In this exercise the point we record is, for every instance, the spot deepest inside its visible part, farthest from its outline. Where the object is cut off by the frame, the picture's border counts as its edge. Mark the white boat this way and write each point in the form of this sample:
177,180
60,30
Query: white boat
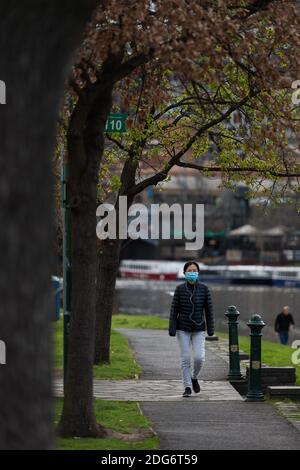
286,276
151,269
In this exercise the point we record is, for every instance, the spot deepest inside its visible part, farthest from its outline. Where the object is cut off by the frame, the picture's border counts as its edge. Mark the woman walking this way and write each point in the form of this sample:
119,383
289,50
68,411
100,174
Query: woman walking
191,314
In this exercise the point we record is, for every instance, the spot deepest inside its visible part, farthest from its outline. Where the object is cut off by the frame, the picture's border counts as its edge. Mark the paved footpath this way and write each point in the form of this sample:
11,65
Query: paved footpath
217,418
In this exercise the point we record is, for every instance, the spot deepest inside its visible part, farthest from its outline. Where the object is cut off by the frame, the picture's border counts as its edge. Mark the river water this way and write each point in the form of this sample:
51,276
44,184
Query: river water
155,297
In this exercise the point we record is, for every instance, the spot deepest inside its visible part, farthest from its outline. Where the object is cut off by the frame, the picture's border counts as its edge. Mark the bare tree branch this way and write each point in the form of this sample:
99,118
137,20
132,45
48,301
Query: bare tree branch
117,143
237,169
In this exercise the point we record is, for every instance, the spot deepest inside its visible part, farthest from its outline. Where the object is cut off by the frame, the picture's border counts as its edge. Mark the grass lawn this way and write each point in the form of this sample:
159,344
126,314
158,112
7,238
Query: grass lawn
122,366
140,321
123,417
273,354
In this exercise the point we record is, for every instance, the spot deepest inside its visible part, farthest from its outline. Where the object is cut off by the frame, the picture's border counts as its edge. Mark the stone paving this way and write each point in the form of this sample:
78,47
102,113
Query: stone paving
157,390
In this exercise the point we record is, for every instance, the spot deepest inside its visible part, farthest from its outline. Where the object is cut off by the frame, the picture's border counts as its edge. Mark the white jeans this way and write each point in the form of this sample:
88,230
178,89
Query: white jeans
186,339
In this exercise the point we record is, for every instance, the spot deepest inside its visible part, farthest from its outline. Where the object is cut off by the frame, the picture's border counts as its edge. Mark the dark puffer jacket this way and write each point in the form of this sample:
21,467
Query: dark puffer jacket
191,310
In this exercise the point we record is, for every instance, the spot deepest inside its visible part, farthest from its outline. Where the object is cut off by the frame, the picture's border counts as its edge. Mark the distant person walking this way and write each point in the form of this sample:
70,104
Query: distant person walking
191,313
282,324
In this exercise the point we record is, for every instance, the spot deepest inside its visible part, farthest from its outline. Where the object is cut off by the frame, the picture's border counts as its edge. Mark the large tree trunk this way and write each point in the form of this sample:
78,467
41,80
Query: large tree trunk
85,153
36,40
108,263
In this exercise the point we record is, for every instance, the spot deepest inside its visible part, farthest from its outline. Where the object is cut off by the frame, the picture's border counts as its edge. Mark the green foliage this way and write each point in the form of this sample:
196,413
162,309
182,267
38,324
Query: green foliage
115,182
190,120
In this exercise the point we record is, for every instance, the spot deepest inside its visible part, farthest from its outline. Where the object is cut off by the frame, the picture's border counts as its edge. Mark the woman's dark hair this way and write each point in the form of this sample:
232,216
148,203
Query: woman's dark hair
189,263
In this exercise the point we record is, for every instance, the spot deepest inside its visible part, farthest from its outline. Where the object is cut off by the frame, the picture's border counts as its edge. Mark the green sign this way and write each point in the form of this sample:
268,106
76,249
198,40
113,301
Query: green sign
116,123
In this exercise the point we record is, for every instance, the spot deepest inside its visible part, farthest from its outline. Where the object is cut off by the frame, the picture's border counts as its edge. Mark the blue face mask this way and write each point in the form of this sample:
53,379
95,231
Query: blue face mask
191,276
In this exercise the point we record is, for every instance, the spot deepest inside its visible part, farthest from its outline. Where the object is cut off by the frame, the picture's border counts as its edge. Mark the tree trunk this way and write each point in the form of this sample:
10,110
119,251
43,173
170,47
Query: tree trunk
85,152
108,263
36,41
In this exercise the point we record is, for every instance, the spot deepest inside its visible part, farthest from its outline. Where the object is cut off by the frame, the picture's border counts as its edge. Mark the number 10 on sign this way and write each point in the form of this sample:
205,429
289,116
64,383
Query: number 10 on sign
116,123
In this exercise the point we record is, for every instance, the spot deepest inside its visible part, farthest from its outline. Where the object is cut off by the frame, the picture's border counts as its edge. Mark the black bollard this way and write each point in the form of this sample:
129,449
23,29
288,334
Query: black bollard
255,393
234,356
